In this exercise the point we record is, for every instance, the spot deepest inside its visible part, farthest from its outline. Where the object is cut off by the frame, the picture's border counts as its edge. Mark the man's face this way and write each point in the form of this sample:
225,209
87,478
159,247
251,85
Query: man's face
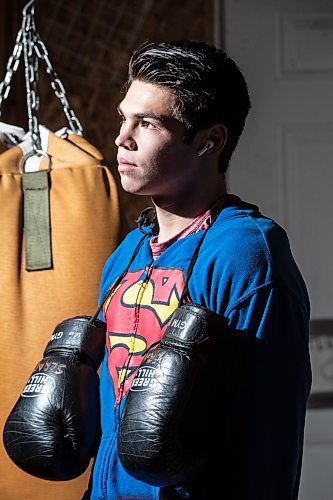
152,157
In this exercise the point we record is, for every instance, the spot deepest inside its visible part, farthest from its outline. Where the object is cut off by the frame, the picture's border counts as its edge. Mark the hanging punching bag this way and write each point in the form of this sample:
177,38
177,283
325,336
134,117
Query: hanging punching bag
59,223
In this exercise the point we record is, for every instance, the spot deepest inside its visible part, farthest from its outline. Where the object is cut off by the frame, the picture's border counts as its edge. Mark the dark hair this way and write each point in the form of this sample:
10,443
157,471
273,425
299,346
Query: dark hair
208,85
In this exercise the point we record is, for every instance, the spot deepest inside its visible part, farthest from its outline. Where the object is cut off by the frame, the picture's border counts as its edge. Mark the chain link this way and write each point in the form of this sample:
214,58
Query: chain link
29,42
57,86
31,77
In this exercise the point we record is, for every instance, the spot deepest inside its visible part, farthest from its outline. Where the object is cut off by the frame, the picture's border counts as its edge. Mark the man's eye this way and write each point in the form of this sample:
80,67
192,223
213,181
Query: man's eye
146,124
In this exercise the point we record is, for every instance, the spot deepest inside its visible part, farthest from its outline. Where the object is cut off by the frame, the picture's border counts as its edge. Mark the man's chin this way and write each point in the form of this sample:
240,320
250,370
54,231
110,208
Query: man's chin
132,189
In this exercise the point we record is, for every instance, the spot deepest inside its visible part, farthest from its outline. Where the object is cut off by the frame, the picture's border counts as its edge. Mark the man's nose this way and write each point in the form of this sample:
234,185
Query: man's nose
125,139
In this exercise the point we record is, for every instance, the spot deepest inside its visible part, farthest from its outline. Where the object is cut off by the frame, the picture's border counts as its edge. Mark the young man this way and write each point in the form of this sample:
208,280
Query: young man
183,112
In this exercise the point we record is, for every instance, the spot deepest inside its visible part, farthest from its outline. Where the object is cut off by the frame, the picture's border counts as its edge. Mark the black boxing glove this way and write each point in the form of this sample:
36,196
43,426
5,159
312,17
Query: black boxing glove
166,423
54,428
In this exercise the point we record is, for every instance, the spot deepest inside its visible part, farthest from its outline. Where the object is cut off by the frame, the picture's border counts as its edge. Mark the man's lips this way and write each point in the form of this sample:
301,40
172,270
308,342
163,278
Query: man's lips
124,165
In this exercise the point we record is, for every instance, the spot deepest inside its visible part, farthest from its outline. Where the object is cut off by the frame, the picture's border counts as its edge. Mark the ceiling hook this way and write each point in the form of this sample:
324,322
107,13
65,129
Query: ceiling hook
29,5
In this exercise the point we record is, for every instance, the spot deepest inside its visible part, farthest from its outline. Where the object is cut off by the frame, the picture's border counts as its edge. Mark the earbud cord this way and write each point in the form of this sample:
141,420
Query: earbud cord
182,298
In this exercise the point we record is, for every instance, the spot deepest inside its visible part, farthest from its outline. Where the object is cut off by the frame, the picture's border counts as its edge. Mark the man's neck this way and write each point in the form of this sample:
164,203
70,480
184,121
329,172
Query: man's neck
170,224
173,217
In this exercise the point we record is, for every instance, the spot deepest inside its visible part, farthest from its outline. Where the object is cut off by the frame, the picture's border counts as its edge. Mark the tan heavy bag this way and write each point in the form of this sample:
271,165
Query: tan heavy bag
84,217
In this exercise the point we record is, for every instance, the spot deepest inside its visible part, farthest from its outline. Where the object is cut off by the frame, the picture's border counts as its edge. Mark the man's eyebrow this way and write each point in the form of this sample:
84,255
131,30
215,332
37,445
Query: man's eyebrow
140,116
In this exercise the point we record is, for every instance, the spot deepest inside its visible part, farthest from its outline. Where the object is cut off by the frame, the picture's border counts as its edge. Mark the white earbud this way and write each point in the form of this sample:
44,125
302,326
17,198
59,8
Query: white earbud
209,144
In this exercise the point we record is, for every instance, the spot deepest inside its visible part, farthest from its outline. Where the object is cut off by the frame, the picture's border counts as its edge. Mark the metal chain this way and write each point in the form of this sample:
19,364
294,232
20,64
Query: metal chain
12,65
31,74
57,86
29,42
34,56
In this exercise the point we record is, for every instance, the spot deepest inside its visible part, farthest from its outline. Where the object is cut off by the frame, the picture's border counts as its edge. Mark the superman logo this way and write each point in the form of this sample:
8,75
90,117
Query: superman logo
137,314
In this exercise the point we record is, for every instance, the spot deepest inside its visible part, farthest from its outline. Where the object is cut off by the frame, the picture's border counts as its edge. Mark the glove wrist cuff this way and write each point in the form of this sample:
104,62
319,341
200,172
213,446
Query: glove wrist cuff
80,338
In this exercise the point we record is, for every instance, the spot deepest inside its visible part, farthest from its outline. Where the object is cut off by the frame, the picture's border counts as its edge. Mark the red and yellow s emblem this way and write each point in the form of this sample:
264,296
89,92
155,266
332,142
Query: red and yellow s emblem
137,314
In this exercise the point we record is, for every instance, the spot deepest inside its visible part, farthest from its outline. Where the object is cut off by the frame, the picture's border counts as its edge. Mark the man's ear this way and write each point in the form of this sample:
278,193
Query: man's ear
218,134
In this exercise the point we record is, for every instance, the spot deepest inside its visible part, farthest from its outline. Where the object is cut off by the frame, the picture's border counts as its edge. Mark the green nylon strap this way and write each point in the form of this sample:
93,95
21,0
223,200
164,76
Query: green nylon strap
36,217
